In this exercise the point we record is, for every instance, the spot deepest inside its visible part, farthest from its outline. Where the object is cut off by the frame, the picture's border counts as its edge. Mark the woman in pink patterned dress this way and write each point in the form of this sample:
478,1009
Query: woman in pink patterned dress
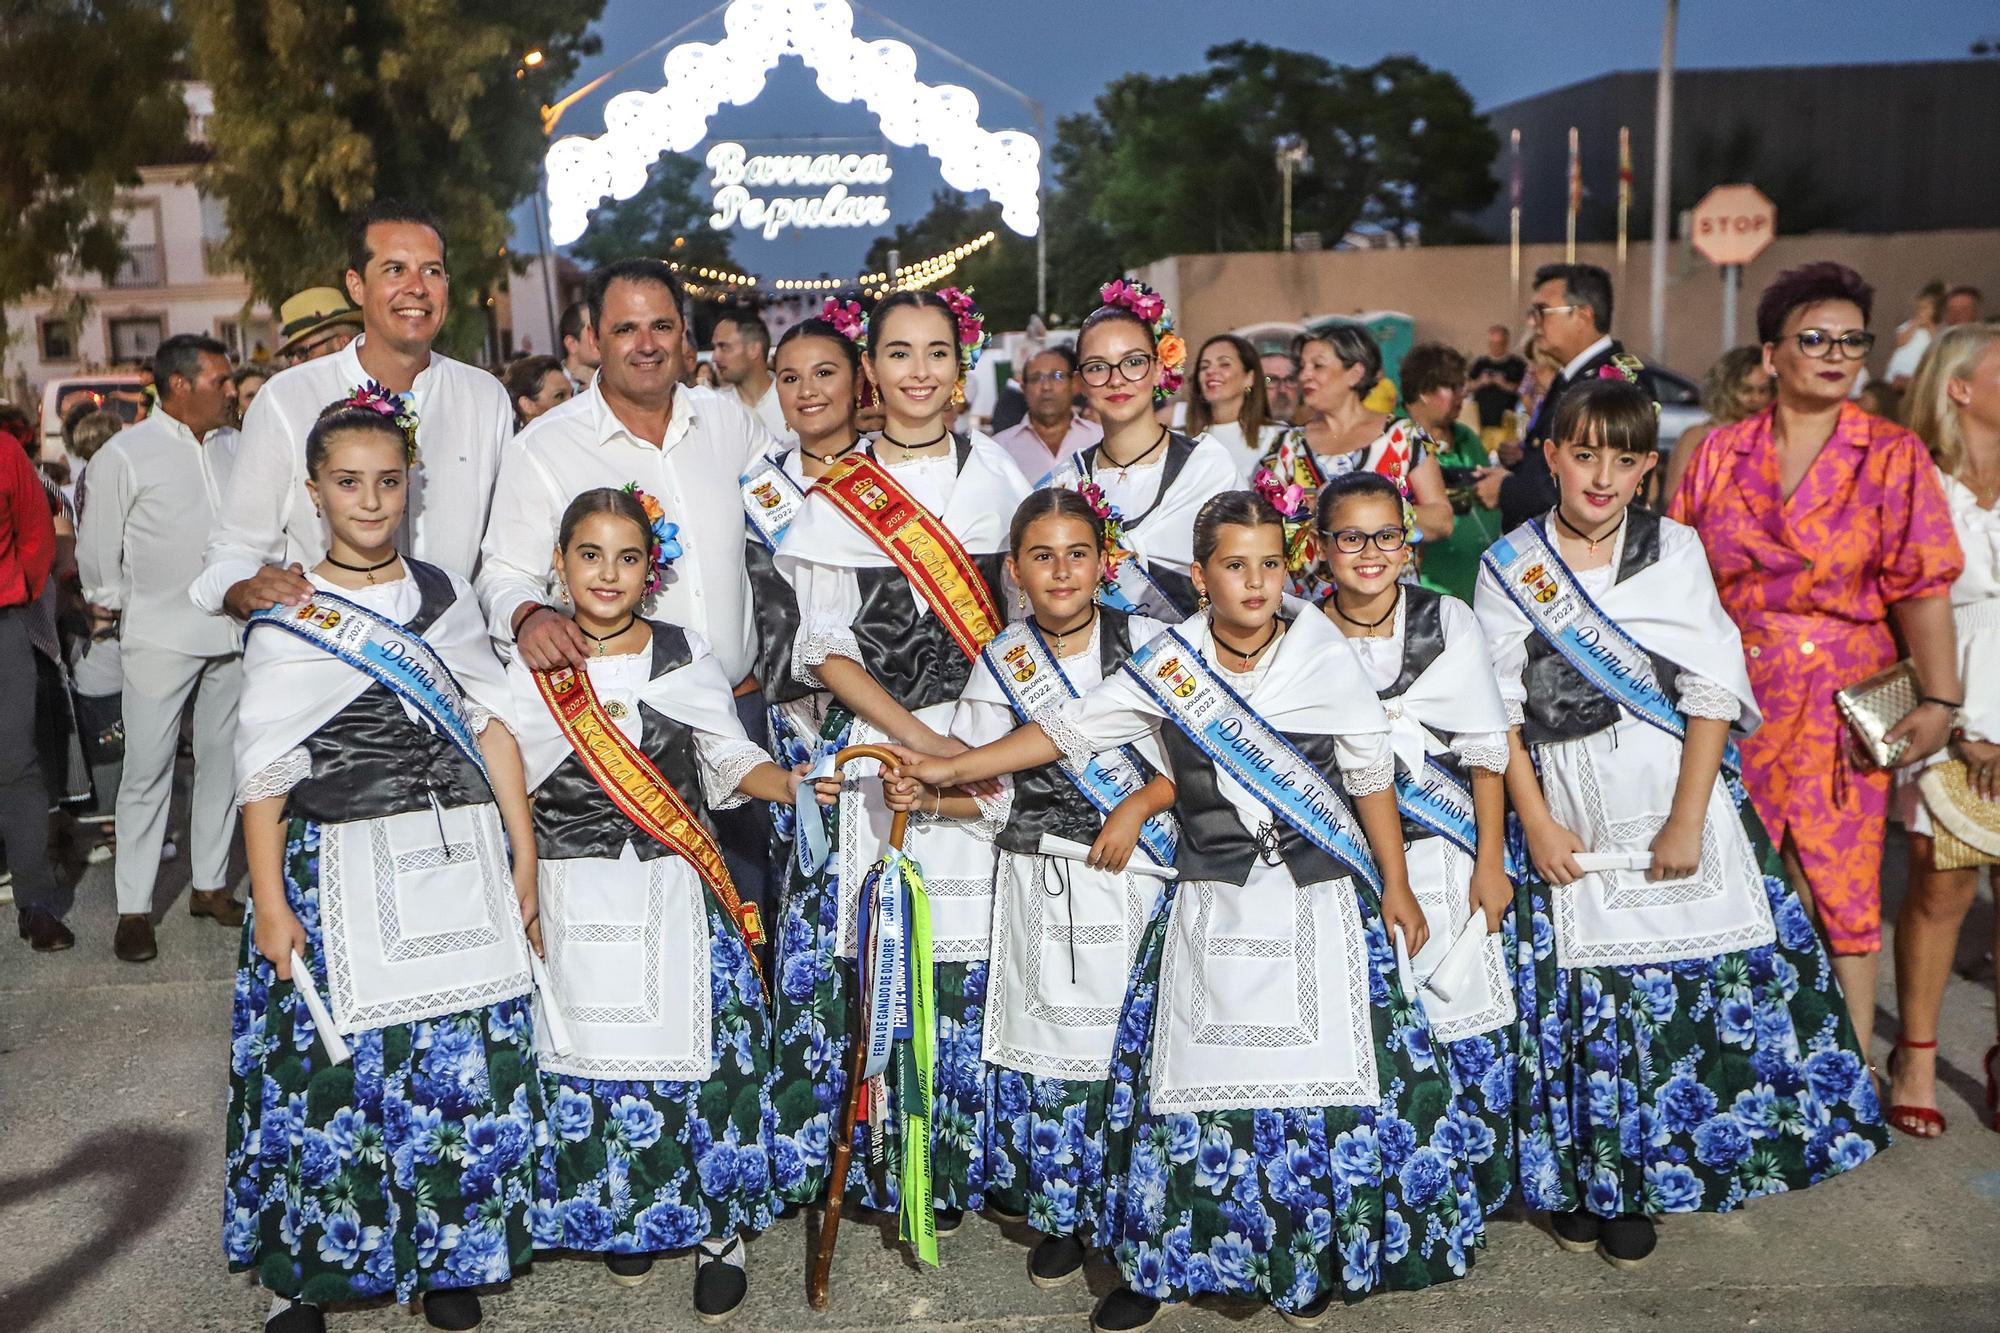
1826,526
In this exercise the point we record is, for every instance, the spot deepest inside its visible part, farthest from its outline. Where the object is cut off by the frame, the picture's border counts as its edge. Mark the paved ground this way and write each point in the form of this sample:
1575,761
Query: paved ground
113,1080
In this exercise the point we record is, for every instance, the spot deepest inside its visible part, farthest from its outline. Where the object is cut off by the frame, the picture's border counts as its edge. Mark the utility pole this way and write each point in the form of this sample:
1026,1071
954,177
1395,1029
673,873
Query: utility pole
1663,165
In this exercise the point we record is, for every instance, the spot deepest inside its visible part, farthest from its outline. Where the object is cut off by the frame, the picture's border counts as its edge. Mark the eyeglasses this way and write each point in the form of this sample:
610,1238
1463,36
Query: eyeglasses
1853,345
1132,368
1352,541
1046,377
1273,381
1537,310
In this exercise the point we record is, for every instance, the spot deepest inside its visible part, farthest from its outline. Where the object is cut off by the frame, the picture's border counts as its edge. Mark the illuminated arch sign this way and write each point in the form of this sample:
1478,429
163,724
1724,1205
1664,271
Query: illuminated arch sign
702,77
735,174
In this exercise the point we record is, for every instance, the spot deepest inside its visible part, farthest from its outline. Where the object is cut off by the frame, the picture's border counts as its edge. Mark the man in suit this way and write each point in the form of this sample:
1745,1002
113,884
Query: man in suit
1571,315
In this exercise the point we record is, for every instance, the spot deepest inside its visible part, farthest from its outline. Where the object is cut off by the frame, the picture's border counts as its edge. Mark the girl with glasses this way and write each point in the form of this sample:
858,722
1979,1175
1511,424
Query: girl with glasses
1280,1127
1694,1050
1338,366
1427,660
1153,479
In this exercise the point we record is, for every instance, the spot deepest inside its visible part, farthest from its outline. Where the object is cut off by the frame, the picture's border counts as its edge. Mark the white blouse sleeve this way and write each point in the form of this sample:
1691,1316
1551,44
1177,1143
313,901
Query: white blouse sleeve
1702,697
829,600
1487,750
279,776
1115,712
1507,638
1367,762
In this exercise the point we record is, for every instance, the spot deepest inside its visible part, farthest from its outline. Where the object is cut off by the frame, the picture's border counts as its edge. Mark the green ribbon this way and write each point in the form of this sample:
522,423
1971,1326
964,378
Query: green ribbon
916,1062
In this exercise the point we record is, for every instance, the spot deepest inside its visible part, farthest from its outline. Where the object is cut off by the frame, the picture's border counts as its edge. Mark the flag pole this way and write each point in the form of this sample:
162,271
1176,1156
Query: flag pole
1514,222
1575,198
1624,195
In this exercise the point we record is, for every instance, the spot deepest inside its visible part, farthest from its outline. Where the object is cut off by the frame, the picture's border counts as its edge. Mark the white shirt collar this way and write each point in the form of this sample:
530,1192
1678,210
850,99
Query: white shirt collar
357,374
1582,358
681,418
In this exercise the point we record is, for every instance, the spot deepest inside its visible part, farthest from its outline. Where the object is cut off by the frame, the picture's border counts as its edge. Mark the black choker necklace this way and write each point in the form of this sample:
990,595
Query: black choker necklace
824,459
942,436
1144,454
1276,625
601,639
1394,602
1062,635
369,570
1592,542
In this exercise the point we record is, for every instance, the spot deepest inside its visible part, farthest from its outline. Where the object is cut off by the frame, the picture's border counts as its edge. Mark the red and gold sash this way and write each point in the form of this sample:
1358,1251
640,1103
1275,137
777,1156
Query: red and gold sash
922,547
640,791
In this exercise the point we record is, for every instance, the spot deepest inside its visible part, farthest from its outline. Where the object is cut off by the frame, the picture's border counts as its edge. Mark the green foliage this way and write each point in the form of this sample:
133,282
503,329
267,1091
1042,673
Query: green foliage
1001,277
323,106
87,101
667,219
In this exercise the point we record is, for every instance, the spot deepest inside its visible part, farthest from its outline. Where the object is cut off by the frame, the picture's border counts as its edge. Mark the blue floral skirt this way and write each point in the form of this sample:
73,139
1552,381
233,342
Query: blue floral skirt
1045,1150
1692,1086
410,1168
638,1166
1282,1206
813,1016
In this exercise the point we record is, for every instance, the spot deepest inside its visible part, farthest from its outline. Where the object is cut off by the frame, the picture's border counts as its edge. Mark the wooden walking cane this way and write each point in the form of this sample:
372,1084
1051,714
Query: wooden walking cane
821,1271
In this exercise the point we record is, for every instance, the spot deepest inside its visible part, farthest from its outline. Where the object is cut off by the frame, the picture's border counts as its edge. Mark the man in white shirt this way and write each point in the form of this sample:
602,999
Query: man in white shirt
154,493
1052,432
269,533
741,349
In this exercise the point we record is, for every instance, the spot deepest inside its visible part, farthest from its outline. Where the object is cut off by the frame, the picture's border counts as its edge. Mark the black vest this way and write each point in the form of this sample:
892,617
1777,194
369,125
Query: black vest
1178,587
1563,706
371,760
1045,799
907,649
573,816
774,615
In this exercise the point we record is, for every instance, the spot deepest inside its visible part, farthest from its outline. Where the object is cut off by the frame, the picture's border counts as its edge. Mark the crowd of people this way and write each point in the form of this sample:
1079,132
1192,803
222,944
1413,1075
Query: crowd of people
1251,832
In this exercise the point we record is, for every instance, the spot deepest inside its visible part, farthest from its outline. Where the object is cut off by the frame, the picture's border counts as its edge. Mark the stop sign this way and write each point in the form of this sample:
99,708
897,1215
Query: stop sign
1733,223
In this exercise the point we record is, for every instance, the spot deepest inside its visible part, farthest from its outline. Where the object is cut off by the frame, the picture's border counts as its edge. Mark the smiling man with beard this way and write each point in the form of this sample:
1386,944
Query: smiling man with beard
269,530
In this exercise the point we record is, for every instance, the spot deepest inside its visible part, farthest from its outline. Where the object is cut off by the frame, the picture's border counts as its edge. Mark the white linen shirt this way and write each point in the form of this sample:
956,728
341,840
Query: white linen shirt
695,473
464,420
770,411
155,491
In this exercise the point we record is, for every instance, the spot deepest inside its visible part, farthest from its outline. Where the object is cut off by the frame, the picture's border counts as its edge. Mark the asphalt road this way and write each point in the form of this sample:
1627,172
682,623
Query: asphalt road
113,1079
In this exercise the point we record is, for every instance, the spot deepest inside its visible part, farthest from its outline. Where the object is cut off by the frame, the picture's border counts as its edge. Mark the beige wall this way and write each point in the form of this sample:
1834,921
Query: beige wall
1455,292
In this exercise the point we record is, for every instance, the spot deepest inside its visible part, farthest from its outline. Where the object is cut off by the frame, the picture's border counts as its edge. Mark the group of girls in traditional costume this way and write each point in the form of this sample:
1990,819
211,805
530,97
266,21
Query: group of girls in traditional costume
1212,941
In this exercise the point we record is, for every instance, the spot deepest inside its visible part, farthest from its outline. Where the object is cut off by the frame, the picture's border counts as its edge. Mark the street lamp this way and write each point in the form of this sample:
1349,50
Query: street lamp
1292,156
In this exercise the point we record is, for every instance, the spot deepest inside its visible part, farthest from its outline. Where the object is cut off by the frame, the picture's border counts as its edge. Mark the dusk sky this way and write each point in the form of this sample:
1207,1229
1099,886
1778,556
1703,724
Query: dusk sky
1063,54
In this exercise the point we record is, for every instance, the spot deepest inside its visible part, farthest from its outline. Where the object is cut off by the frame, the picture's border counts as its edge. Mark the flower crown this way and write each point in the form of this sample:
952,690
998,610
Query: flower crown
383,401
663,545
971,323
1151,308
848,319
1112,524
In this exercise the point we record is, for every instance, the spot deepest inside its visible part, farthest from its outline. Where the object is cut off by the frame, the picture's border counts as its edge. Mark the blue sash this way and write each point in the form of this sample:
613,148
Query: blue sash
1131,589
1437,800
387,653
1033,680
771,500
1246,747
1541,584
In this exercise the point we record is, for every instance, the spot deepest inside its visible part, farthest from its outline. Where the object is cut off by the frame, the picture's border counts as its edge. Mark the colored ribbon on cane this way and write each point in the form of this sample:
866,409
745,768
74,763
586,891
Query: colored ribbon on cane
916,1064
813,843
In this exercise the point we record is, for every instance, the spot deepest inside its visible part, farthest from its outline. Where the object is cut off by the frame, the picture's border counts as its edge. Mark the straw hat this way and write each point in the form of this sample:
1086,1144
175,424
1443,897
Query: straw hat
313,311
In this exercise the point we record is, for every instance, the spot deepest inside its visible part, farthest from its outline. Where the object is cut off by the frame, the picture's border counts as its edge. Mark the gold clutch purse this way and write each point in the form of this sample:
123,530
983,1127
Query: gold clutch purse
1965,829
1874,706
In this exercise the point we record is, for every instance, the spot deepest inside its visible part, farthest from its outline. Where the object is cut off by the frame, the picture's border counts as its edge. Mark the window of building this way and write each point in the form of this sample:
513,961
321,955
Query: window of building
251,339
134,337
58,339
214,237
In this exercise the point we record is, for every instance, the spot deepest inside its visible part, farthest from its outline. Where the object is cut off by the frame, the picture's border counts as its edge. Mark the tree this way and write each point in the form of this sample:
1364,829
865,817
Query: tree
1000,277
323,106
667,219
85,100
1186,163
